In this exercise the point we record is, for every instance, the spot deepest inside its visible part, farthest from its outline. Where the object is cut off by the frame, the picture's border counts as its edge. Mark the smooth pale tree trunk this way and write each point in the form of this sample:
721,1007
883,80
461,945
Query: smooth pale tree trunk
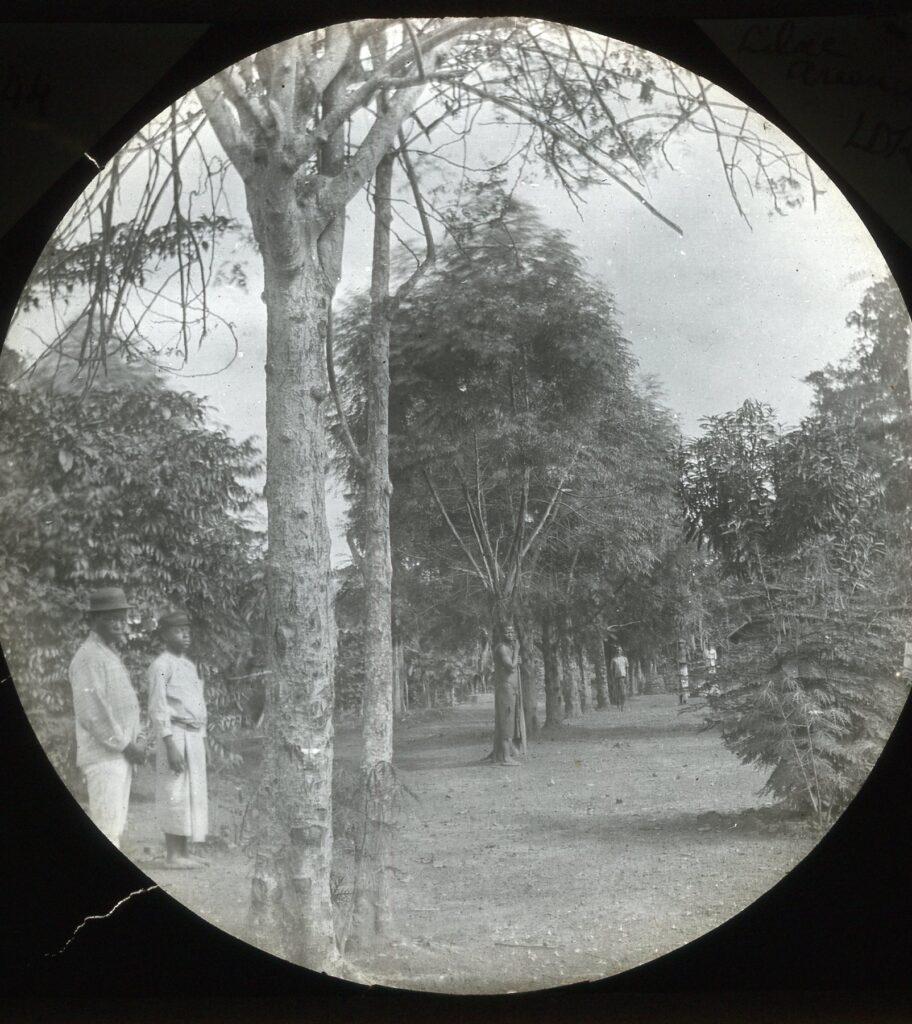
371,913
400,681
597,656
291,910
487,664
484,657
405,675
584,691
614,689
569,683
528,680
553,713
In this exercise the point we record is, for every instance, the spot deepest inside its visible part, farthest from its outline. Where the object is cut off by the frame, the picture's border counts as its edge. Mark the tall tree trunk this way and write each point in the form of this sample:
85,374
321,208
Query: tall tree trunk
291,910
597,654
371,901
584,691
397,683
568,681
400,681
527,678
553,714
484,660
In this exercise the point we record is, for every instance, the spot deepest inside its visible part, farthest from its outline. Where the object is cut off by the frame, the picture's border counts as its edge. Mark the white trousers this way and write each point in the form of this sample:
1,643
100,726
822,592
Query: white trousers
109,783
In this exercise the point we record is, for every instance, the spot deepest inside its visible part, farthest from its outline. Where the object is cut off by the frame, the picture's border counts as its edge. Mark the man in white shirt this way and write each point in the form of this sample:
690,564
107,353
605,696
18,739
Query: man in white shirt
177,709
711,658
107,714
617,671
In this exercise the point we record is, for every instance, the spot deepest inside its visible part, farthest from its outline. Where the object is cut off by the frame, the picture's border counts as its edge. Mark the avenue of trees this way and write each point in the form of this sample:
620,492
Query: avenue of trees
517,422
503,459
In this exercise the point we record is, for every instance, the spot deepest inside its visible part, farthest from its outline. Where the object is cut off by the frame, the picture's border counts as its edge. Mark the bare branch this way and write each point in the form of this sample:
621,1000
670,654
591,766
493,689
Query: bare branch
481,575
419,60
253,116
430,251
359,460
335,193
487,555
398,63
578,147
356,555
726,166
606,110
547,514
338,49
222,117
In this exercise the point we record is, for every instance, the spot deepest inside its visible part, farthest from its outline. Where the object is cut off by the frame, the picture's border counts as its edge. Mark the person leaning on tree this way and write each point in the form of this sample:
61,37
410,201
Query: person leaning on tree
506,684
177,708
107,714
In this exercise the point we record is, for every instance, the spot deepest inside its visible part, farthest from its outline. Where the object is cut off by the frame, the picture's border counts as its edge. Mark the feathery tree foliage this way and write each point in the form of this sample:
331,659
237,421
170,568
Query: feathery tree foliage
528,467
806,521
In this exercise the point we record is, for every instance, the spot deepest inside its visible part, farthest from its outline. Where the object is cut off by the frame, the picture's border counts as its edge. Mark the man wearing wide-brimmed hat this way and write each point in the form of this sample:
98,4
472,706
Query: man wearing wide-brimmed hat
107,713
177,708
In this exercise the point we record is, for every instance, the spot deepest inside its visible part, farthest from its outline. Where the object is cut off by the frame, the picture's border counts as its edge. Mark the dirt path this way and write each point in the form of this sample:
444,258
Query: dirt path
620,838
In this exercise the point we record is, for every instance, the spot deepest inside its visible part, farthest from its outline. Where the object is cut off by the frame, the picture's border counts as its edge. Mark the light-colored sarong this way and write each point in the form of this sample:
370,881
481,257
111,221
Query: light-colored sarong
183,799
108,783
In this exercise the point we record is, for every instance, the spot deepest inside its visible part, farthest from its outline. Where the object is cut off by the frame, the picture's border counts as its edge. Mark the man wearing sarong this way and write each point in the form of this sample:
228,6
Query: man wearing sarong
107,714
177,709
506,684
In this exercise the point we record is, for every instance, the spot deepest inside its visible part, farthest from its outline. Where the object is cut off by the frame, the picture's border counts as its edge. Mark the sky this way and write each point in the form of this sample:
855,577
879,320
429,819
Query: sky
729,310
724,312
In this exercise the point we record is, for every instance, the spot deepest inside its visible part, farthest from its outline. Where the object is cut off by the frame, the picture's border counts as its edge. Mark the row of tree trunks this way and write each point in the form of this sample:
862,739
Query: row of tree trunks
584,689
553,712
597,657
569,682
528,680
400,681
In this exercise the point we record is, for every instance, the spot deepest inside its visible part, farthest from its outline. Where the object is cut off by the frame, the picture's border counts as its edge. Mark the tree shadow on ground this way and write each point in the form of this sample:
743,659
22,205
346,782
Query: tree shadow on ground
569,732
752,823
467,736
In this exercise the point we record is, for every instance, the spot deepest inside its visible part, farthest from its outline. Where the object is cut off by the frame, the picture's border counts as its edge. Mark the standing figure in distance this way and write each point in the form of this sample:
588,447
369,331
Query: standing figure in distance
506,683
178,712
618,670
683,681
712,657
107,714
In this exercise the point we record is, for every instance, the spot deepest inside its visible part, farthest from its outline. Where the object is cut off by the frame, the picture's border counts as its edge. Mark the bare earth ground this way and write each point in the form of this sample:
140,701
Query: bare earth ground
621,837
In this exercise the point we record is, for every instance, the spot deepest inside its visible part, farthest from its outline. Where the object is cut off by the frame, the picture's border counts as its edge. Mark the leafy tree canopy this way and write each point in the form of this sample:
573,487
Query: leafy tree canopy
125,485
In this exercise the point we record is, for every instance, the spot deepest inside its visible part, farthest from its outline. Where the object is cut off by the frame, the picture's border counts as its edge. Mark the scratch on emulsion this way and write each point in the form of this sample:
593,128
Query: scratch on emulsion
101,917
